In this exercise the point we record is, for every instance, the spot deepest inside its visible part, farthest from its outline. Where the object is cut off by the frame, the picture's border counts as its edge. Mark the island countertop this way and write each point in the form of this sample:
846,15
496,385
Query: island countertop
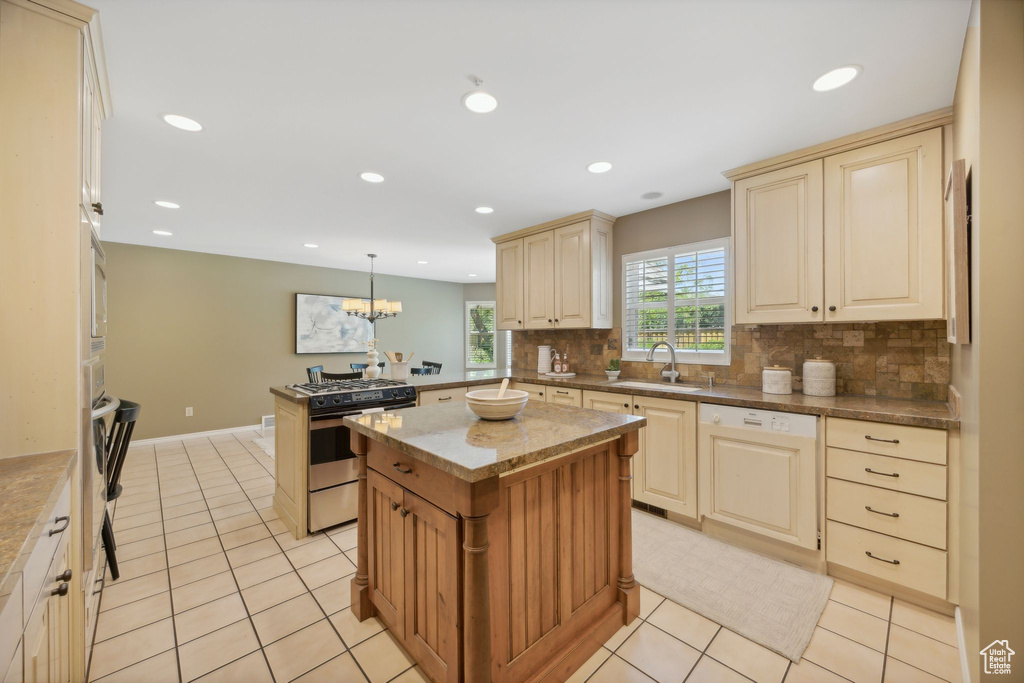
453,439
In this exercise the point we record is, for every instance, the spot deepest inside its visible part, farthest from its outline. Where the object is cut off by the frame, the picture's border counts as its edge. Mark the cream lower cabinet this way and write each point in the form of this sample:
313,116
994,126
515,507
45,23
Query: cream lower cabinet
565,397
665,466
608,402
536,391
452,395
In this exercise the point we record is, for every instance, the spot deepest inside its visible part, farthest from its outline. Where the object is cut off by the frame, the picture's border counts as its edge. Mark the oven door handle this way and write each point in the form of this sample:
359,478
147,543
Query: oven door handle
111,405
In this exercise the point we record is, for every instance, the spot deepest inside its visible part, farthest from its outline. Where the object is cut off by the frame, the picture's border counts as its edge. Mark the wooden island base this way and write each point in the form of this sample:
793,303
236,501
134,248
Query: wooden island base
519,577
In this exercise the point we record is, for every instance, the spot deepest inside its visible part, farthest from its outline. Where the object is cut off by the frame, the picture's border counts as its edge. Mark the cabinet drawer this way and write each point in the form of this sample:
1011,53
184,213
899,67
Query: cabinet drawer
429,398
432,484
898,441
536,391
565,397
912,518
877,470
920,567
35,574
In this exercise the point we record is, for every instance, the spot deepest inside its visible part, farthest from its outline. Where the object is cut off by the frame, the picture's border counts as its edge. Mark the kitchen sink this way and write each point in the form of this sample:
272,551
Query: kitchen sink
660,386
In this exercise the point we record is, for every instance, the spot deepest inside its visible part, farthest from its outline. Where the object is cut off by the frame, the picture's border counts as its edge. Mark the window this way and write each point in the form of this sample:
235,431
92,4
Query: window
480,336
692,313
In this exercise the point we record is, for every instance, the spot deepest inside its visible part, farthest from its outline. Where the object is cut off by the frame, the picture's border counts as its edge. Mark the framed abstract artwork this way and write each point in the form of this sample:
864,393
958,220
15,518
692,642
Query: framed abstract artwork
321,326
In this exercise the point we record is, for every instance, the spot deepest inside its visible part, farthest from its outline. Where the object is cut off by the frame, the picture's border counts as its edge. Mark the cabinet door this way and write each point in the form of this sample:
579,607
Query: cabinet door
432,588
572,276
452,395
509,287
59,622
536,391
607,402
883,230
565,397
777,230
665,466
539,281
386,539
92,117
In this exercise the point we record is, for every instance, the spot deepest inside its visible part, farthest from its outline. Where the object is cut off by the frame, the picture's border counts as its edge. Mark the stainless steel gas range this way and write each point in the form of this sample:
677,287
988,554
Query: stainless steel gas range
333,493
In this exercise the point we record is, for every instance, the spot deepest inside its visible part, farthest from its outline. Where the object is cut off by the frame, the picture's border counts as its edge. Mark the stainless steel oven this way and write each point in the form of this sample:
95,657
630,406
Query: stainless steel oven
98,316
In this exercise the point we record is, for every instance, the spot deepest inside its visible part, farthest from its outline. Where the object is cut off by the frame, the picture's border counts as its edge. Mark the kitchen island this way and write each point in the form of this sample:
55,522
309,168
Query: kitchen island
496,550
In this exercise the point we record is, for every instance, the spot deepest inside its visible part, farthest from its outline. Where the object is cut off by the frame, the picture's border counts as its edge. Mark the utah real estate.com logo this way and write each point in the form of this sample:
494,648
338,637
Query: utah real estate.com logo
997,657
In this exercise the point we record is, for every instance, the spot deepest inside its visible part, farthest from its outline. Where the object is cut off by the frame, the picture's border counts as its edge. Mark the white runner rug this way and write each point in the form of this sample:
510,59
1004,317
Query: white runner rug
266,445
771,602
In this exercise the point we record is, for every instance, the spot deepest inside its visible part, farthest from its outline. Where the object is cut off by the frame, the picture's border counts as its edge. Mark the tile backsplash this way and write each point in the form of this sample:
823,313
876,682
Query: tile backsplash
895,359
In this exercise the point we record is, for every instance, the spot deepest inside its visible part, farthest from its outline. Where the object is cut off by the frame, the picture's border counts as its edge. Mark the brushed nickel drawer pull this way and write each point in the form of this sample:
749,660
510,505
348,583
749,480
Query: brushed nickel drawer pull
559,391
62,518
403,470
871,438
880,559
878,512
884,474
445,398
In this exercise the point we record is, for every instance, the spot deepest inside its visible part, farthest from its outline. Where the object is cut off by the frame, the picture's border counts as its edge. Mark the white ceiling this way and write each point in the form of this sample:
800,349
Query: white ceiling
297,97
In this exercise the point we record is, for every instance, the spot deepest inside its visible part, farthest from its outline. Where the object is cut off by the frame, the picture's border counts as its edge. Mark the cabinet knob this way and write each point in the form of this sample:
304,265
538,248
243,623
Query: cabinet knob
520,322
394,505
636,406
814,309
66,576
549,319
556,320
403,512
60,590
98,207
625,405
832,308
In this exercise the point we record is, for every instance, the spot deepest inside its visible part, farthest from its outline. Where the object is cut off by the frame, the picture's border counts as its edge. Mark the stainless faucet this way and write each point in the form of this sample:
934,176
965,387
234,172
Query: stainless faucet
671,373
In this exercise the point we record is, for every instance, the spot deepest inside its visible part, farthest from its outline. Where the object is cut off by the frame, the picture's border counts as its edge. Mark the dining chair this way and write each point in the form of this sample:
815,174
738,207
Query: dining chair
340,375
435,368
420,371
363,366
315,374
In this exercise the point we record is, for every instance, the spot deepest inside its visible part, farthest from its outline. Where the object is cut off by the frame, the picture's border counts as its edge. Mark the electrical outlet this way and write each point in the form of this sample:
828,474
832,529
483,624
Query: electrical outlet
188,411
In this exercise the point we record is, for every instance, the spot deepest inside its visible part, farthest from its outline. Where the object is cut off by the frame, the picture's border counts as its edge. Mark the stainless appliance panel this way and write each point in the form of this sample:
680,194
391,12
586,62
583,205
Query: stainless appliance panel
333,473
333,506
98,327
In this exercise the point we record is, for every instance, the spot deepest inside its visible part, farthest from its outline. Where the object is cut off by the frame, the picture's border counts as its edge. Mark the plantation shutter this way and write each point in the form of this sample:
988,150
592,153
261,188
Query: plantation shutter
647,302
700,300
480,334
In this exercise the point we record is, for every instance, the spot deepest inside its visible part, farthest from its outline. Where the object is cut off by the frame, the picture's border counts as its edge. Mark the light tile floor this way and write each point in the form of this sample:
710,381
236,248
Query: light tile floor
213,588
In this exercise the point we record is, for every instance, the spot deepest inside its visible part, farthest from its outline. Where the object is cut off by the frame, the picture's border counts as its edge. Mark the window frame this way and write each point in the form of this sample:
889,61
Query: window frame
682,356
494,334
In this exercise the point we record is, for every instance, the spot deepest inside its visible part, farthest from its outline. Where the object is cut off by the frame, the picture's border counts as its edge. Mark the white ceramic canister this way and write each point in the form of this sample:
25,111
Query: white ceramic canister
777,380
544,359
819,377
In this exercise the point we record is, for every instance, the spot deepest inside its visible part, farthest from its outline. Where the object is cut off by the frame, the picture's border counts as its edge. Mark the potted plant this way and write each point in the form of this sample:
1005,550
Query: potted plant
613,369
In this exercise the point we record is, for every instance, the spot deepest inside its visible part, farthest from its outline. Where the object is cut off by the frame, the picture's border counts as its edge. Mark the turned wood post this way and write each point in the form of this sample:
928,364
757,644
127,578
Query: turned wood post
475,502
362,608
629,591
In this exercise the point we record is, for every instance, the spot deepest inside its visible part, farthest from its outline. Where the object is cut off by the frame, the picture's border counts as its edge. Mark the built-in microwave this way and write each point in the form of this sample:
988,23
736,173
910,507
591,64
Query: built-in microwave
98,328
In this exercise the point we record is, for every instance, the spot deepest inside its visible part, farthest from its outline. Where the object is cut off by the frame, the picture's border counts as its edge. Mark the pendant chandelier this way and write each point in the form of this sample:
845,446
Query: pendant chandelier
374,309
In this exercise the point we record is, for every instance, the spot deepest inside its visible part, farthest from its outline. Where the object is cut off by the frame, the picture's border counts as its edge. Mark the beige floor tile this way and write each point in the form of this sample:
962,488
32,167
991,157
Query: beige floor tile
193,551
263,503
335,596
341,668
855,625
750,659
273,592
325,571
844,657
218,491
187,521
809,672
347,539
203,591
128,617
925,622
860,598
190,535
183,510
898,672
304,650
135,521
710,671
199,621
924,653
140,566
649,601
658,654
287,618
162,668
617,670
590,666
620,636
139,533
127,649
287,541
123,592
353,556
686,625
309,553
250,534
268,514
413,675
131,551
262,570
198,569
246,519
251,668
275,525
123,511
381,657
244,554
216,649
238,503
354,632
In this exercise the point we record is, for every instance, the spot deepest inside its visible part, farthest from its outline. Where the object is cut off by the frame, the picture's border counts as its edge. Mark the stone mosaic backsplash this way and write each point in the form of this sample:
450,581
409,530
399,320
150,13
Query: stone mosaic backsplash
895,359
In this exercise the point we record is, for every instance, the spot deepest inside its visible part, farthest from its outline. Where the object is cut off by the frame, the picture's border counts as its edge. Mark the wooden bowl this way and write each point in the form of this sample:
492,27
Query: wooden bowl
486,404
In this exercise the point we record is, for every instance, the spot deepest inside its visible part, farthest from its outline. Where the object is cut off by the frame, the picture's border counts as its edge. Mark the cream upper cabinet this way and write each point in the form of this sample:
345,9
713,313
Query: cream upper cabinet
665,466
538,281
92,118
778,246
509,294
556,275
883,230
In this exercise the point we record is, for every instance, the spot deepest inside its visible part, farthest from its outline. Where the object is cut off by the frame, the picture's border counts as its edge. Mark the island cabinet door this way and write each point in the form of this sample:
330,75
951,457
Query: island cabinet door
431,588
386,556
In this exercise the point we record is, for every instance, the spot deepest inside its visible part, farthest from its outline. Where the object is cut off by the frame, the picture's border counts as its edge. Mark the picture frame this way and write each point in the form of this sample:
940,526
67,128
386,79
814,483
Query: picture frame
321,326
958,267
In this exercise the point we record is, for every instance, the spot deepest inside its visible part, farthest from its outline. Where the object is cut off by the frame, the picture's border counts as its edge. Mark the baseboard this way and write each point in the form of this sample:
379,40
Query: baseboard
961,641
195,435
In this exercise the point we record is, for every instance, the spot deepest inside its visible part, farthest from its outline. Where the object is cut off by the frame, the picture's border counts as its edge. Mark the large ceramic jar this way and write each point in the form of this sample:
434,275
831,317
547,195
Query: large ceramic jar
777,380
819,377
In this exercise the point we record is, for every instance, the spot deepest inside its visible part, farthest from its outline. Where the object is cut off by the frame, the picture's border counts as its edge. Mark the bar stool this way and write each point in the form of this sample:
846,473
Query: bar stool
116,450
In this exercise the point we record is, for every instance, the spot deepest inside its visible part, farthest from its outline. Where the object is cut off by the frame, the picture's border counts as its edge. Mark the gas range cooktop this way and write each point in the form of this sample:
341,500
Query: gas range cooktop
355,394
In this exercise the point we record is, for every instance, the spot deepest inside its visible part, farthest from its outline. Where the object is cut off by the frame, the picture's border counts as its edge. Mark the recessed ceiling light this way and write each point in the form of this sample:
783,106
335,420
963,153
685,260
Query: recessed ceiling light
183,122
162,233
836,78
651,195
167,205
422,263
480,102
484,209
311,246
371,177
471,275
599,167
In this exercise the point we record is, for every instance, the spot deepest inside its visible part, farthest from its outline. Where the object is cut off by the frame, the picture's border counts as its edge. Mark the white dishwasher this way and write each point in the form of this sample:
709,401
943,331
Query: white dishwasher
758,470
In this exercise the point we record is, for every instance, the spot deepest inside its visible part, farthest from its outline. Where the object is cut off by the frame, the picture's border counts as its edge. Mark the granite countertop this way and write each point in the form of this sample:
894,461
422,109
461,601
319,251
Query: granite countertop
453,439
914,412
29,488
